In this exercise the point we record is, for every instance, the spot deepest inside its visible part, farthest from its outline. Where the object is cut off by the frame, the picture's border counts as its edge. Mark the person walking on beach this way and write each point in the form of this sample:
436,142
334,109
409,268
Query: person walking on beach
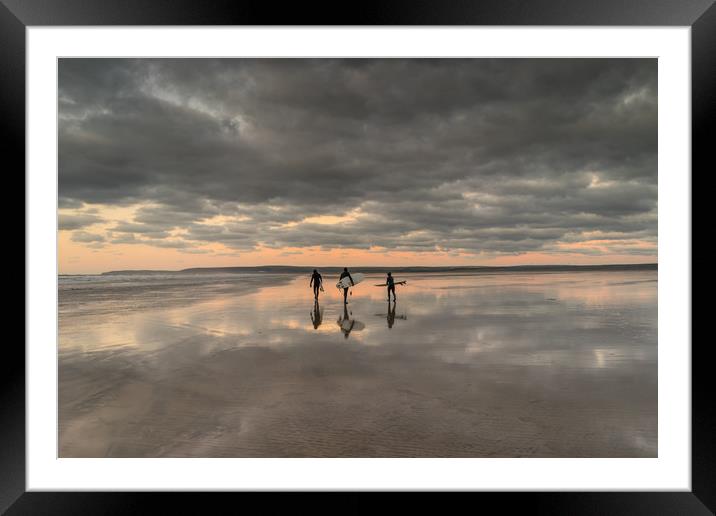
390,283
316,282
346,274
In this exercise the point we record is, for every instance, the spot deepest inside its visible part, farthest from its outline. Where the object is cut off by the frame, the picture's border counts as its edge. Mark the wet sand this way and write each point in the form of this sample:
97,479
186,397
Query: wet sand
474,365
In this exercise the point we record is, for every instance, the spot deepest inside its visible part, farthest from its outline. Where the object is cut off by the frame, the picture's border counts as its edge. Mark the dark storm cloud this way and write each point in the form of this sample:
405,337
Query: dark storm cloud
87,238
503,155
79,221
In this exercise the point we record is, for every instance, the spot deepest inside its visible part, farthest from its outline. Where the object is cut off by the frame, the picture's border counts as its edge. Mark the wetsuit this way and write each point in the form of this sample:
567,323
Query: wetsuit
316,280
345,289
391,286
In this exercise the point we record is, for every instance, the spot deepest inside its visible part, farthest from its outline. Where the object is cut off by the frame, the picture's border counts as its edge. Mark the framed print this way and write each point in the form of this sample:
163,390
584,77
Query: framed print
441,249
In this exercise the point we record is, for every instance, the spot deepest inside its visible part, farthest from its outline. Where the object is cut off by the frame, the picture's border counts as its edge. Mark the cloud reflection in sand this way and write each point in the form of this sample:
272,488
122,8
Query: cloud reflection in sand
450,342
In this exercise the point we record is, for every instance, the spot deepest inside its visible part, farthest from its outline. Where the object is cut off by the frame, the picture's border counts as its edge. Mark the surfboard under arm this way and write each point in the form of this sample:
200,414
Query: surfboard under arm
396,283
346,283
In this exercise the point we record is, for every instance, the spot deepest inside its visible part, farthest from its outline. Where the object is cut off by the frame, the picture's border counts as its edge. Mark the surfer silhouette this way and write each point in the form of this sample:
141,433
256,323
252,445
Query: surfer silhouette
390,283
316,314
316,282
345,274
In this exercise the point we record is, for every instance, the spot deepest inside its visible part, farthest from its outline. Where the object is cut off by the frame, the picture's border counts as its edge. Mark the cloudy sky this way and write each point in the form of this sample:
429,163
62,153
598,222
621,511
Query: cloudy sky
174,163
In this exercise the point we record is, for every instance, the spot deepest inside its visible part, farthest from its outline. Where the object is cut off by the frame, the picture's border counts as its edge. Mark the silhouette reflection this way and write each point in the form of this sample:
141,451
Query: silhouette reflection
390,316
316,315
348,323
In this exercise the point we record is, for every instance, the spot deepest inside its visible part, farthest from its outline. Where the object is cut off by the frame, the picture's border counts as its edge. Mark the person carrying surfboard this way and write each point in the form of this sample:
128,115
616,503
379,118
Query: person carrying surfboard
390,282
316,282
346,274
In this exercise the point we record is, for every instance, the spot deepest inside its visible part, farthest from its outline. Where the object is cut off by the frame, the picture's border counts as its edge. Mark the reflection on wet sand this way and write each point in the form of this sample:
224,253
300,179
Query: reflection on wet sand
494,365
316,315
347,323
390,316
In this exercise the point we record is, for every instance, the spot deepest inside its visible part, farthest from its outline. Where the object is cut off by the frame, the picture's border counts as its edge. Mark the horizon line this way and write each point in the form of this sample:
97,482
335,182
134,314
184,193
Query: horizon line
395,267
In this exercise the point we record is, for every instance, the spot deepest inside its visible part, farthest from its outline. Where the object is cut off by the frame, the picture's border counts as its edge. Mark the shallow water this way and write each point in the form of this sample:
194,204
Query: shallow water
474,365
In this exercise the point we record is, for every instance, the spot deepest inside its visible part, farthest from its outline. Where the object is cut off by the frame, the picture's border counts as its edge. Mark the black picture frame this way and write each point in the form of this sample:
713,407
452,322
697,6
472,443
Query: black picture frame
16,15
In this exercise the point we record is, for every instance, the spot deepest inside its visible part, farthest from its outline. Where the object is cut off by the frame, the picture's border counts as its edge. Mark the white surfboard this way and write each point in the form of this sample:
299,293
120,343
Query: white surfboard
346,282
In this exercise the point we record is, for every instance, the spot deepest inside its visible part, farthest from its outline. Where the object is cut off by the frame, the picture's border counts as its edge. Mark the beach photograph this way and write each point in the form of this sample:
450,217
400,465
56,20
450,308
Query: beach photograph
360,257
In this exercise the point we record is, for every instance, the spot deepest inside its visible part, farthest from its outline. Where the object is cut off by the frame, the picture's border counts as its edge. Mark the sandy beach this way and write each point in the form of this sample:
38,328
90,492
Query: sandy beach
558,364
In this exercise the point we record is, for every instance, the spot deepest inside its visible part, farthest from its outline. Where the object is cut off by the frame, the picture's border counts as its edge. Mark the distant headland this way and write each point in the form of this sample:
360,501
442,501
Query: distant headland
291,269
